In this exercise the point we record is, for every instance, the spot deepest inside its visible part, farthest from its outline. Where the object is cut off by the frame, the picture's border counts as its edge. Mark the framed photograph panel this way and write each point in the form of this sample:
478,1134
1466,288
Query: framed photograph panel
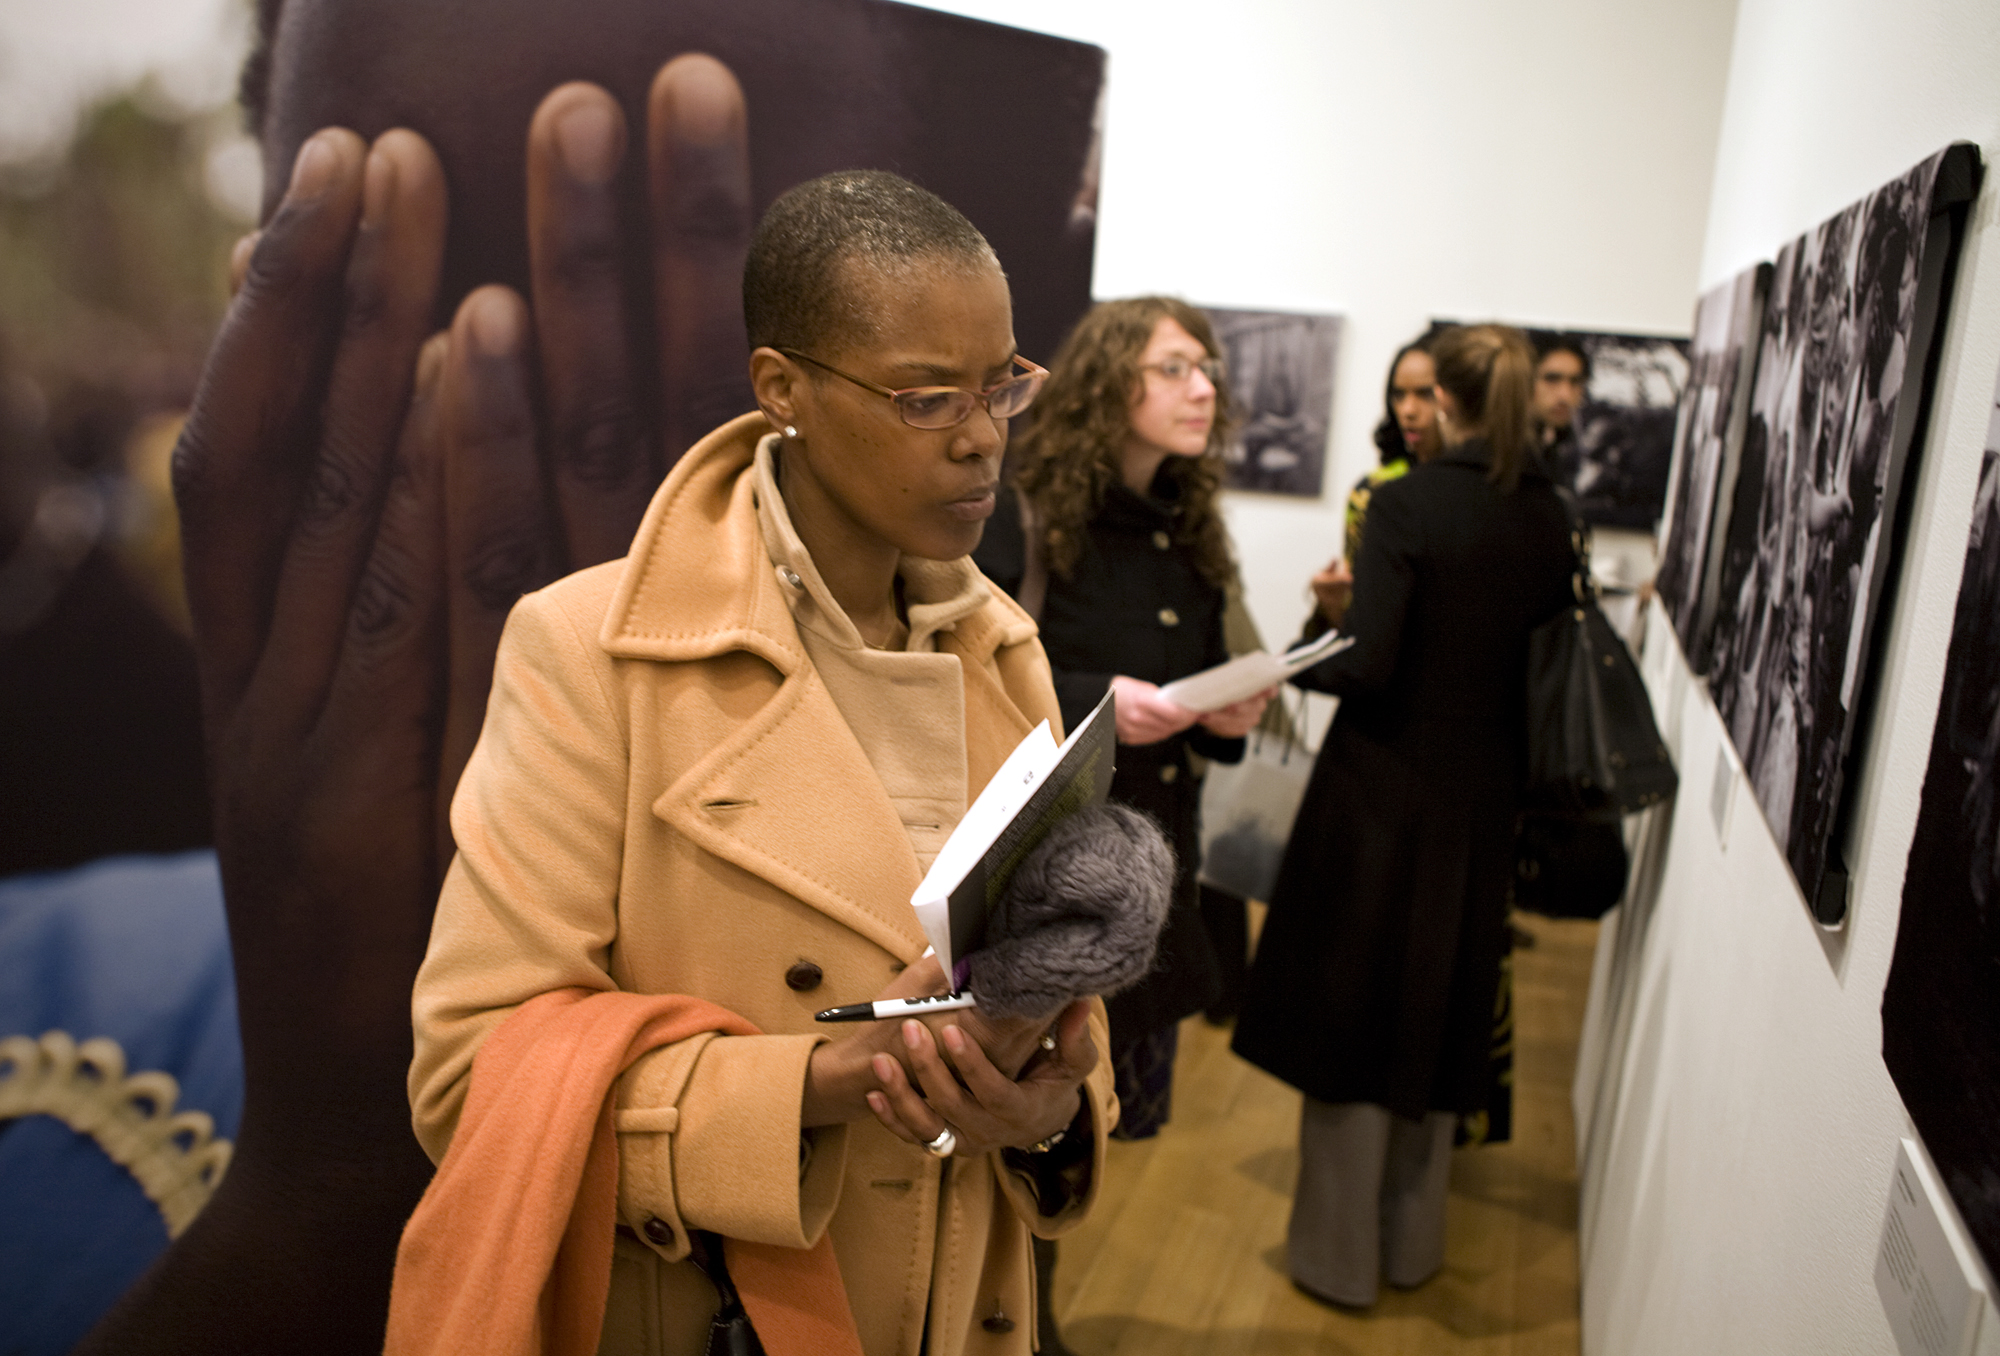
1281,378
1845,358
1941,1007
1708,435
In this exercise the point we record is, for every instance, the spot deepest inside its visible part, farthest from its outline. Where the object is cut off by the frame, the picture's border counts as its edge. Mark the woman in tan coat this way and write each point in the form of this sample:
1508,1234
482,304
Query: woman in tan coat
720,766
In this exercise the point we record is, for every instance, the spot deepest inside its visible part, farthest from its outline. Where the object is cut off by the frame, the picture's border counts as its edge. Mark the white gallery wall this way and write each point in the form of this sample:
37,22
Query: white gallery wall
1745,1166
1597,164
1540,160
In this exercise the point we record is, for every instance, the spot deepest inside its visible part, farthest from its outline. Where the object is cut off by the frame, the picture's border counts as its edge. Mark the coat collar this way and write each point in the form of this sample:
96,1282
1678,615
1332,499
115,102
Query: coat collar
700,583
937,594
673,603
1476,454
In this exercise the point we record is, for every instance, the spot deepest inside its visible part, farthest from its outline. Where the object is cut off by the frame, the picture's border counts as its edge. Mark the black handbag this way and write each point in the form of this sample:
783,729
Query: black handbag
1594,755
1568,866
1593,747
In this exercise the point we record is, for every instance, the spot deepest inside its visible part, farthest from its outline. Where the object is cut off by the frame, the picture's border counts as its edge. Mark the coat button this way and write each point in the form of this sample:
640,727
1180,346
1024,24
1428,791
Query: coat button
1161,541
803,976
658,1230
997,1321
1169,617
1170,773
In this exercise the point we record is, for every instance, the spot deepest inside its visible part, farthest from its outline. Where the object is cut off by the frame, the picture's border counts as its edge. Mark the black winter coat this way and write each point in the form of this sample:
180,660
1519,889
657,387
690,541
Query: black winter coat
1379,964
1137,605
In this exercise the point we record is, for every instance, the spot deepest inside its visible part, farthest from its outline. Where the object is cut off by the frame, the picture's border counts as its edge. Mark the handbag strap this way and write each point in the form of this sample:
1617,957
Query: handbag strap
1034,590
1581,582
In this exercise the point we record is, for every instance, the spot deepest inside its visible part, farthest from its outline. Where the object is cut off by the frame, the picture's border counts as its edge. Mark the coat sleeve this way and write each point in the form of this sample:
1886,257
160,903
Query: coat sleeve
1051,1204
1384,578
709,1127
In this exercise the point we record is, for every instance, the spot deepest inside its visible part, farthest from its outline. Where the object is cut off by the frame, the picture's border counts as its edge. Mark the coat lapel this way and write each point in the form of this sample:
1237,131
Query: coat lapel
788,795
994,724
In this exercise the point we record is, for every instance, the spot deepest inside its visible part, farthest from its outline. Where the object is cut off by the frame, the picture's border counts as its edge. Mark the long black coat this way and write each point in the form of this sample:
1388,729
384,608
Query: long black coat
1136,604
1377,971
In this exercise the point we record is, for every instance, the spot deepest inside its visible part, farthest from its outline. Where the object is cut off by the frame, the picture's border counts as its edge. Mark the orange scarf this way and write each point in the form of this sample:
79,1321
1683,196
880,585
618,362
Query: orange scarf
509,1252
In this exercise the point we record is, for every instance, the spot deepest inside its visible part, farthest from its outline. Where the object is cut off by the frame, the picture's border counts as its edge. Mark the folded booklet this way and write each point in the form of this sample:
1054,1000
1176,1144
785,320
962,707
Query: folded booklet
1247,675
1038,787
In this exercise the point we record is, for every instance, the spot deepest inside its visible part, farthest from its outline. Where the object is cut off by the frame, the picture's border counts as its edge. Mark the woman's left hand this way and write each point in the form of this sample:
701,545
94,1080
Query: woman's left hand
1240,718
958,1088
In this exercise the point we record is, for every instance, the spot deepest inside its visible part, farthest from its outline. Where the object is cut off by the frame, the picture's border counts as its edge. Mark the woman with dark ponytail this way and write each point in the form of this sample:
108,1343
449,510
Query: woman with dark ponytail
1379,965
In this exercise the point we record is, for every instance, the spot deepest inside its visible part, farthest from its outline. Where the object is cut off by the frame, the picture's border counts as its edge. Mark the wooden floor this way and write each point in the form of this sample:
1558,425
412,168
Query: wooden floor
1185,1253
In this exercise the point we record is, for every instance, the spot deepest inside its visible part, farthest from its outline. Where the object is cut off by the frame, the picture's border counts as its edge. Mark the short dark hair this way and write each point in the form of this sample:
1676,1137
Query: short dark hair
793,288
1547,343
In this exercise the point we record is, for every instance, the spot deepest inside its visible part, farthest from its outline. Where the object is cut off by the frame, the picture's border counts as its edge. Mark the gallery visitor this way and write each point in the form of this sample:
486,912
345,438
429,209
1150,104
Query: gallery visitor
1374,982
1115,519
717,768
1562,373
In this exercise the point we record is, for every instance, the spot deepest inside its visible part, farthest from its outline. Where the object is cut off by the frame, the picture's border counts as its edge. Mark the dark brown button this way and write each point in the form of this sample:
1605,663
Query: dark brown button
997,1321
658,1230
803,976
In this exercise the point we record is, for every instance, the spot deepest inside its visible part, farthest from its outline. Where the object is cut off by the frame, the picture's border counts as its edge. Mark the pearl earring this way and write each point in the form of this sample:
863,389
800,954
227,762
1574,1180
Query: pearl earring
791,432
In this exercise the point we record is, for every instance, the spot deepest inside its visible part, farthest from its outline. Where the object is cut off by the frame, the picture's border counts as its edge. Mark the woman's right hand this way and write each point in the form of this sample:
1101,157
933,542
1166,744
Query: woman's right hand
1144,716
842,1073
951,1084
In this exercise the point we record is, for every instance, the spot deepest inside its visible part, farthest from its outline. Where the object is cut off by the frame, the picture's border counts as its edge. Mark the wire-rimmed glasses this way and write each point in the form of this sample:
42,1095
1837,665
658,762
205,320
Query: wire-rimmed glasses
1177,369
936,407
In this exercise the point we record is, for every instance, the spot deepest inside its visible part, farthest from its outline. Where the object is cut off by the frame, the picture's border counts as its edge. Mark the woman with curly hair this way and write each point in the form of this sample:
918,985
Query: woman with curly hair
1114,539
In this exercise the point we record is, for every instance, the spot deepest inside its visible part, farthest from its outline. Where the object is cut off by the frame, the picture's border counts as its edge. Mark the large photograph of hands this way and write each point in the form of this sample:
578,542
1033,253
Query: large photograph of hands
363,499
826,85
1842,381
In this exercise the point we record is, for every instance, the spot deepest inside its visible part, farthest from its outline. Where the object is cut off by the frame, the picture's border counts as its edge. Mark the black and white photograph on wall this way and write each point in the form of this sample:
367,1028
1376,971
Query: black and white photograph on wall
1281,378
1842,373
1941,1007
1622,436
1708,434
1612,449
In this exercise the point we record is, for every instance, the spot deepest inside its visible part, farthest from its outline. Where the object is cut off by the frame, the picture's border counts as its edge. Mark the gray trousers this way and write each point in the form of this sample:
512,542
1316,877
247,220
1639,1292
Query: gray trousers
1370,1200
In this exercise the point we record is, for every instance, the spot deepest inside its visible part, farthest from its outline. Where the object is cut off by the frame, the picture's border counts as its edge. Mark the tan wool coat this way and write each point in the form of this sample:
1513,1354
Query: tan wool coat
666,799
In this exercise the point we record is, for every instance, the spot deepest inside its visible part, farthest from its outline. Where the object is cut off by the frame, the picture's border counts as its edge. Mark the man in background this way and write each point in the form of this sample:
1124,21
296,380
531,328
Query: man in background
1562,370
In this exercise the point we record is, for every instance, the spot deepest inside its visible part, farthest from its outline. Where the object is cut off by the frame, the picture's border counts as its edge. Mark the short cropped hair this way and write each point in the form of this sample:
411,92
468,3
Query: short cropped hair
794,281
1546,344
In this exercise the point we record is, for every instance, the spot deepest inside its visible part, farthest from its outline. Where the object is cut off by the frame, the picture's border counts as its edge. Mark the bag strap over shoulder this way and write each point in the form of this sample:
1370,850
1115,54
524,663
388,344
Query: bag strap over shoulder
1579,544
1034,590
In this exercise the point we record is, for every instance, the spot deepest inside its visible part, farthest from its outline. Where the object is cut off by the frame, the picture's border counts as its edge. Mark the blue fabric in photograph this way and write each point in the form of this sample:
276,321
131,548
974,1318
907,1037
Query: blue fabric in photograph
135,949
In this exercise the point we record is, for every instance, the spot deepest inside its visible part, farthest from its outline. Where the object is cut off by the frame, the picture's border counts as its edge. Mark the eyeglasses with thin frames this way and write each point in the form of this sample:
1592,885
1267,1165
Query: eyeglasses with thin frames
1177,369
940,407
